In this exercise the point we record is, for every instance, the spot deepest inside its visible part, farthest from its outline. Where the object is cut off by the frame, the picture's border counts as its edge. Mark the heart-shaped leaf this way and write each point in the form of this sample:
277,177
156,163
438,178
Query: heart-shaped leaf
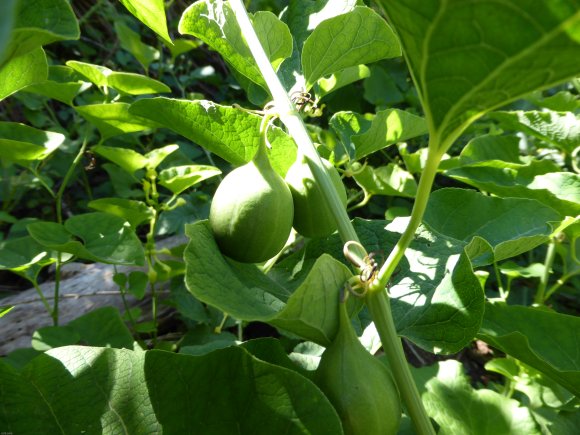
151,13
357,37
244,292
511,226
78,389
465,65
230,132
545,340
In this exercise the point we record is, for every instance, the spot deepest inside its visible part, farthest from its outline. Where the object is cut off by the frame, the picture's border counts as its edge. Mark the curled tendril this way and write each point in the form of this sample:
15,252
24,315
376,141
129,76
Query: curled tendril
355,287
349,251
270,115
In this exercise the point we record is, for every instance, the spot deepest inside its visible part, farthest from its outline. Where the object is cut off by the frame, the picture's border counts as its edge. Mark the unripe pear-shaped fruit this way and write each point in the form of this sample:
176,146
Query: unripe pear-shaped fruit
360,387
251,212
312,216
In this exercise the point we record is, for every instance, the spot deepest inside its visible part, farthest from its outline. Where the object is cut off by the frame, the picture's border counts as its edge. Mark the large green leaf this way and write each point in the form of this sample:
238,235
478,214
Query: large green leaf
244,292
96,74
135,84
327,85
460,409
39,24
151,13
437,302
7,19
19,142
179,178
101,327
253,396
92,236
389,180
230,132
63,85
545,340
360,137
464,64
25,257
511,226
489,147
215,24
22,71
101,390
303,16
358,37
560,129
114,119
134,212
537,180
127,159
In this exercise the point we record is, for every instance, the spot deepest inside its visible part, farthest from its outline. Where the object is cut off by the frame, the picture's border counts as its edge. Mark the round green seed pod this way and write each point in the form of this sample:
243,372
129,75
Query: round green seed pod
312,216
251,212
360,387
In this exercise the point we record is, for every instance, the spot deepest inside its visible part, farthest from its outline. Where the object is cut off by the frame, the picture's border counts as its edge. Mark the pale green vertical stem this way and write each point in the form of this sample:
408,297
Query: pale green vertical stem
502,293
550,256
379,307
58,200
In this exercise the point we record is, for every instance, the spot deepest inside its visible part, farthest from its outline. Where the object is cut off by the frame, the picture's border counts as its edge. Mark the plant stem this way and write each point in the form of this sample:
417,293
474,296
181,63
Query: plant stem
42,298
502,293
561,281
295,125
377,300
71,169
540,297
58,201
380,310
421,199
57,276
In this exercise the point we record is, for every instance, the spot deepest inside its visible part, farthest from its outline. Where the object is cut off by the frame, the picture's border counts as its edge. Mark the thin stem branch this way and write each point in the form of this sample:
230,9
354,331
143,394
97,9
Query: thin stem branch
421,199
67,177
502,293
540,297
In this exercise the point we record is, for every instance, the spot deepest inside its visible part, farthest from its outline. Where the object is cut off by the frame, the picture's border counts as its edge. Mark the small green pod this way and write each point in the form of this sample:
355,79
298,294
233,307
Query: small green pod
359,386
312,216
251,212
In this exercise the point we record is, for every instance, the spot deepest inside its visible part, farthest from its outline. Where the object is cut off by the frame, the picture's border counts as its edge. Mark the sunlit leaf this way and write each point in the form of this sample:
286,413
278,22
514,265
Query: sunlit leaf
22,71
151,13
230,132
19,142
357,37
179,178
113,119
559,129
450,398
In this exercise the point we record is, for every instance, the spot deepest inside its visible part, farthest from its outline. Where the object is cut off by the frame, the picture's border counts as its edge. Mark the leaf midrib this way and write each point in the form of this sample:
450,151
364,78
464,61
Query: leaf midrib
497,71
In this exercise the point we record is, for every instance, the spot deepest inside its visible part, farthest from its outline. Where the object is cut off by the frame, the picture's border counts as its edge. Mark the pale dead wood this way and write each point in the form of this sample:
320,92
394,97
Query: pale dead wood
85,287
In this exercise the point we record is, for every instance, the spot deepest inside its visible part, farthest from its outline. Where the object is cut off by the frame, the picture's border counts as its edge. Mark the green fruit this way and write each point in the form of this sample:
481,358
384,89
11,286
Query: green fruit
360,387
251,212
312,216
